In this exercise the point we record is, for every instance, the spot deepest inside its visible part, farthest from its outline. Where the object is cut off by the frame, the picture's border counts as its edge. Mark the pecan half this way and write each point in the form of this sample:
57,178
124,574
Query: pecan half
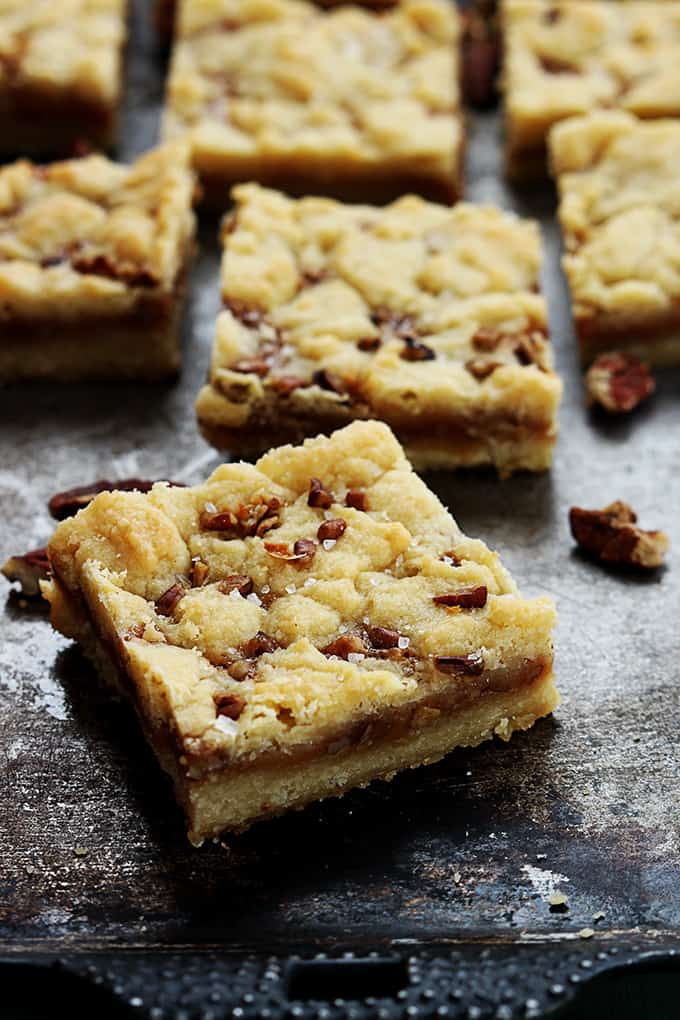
346,644
236,582
357,499
611,535
331,529
70,501
383,637
416,350
230,705
472,597
259,644
319,496
167,603
28,570
471,665
618,382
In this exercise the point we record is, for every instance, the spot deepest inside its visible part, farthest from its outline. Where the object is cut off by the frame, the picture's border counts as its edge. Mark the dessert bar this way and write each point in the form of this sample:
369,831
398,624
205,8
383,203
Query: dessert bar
425,316
60,75
290,630
617,179
93,258
567,58
348,101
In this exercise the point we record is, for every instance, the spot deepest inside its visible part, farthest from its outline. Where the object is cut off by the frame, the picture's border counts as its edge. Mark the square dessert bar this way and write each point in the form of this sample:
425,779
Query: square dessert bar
348,101
619,205
290,630
60,74
93,258
568,58
422,315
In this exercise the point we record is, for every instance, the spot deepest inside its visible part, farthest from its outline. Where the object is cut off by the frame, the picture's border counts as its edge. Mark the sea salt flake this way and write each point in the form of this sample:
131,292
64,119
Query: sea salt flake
309,582
356,657
255,599
226,725
234,593
328,543
291,589
403,642
210,508
265,589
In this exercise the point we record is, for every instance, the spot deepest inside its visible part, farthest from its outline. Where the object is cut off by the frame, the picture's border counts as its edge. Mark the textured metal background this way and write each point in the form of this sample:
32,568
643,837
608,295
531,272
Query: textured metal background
465,852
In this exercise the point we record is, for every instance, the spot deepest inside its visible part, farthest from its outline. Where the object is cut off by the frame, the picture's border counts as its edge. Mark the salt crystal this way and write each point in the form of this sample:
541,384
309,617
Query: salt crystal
255,599
234,593
328,543
226,725
448,561
291,589
342,628
265,589
356,657
328,514
373,581
210,508
403,642
309,582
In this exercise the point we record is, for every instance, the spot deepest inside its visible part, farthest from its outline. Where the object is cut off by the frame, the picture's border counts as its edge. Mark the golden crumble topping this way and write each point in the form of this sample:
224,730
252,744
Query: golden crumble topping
256,81
87,234
277,603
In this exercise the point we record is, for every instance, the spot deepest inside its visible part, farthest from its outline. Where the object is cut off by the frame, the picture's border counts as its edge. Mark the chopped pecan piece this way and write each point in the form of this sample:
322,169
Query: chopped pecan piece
67,503
199,572
259,644
383,637
531,349
332,529
487,338
29,570
618,382
230,705
260,517
472,597
346,644
135,631
611,535
246,314
369,343
357,499
450,555
319,496
328,381
416,350
217,520
104,265
302,555
482,368
241,670
472,664
252,366
236,582
285,384
167,603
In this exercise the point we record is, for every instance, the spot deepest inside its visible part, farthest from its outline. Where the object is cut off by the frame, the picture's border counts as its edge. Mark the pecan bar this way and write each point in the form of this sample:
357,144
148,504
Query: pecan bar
617,180
418,314
290,630
347,101
568,58
60,75
93,258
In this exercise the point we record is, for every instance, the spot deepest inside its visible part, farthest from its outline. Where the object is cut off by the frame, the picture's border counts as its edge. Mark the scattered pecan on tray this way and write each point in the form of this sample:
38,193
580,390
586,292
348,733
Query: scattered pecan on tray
612,536
618,382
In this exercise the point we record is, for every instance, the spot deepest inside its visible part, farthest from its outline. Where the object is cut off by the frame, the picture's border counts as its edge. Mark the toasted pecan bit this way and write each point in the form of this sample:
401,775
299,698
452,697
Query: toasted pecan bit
166,604
357,499
304,551
104,265
472,664
556,65
531,349
230,705
251,366
472,597
611,535
259,644
618,382
259,517
135,631
416,350
369,343
346,644
331,529
70,501
279,550
482,368
236,582
246,314
486,338
29,570
383,637
217,520
319,496
285,384
451,558
310,277
242,669
198,572
328,381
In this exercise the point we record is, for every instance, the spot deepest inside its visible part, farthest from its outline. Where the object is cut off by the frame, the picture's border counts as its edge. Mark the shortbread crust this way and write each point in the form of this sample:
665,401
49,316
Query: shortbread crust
573,57
272,666
60,74
421,315
351,102
619,204
93,257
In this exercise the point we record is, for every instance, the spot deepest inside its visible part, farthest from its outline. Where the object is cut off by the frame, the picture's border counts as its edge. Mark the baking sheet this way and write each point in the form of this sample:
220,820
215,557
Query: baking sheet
93,853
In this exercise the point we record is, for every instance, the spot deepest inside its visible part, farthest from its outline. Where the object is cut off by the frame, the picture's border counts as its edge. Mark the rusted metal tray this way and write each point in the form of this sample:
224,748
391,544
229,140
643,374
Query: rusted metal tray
444,873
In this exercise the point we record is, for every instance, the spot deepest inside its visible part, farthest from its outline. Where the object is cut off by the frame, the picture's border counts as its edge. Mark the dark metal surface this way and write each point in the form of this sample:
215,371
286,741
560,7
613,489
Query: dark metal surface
465,854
